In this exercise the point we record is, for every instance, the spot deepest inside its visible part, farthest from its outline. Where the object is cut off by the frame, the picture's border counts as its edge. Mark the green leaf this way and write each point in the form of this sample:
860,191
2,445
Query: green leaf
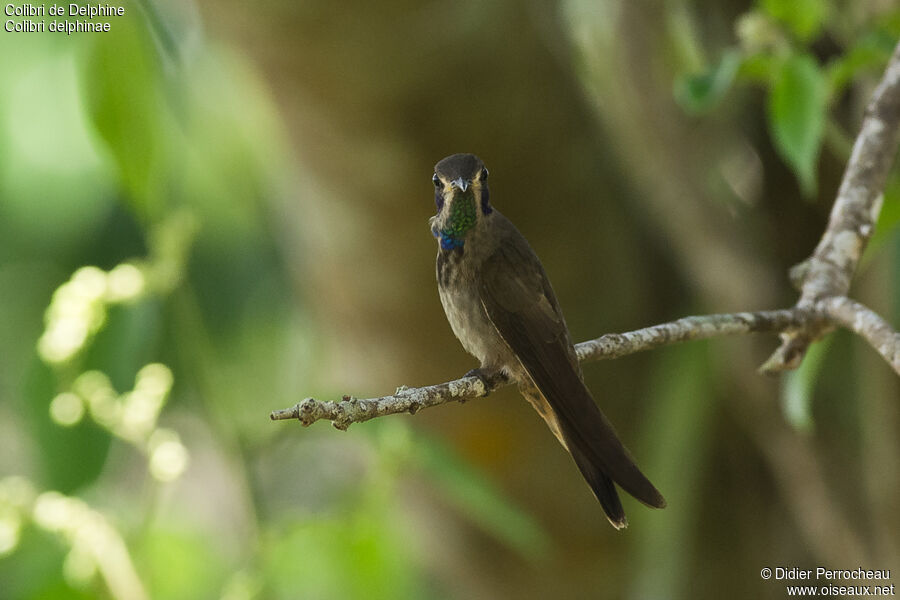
758,68
124,100
870,53
804,18
70,457
798,386
796,111
699,93
127,342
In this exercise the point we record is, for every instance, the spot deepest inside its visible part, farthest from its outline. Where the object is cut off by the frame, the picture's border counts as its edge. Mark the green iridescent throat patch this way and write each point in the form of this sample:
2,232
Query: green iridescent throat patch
462,215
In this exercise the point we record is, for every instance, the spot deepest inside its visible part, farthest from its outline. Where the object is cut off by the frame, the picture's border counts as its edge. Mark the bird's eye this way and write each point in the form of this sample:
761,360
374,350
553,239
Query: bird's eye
437,182
484,174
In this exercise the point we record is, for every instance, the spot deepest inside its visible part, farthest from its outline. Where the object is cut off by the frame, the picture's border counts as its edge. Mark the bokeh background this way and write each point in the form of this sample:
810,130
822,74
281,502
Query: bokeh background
219,208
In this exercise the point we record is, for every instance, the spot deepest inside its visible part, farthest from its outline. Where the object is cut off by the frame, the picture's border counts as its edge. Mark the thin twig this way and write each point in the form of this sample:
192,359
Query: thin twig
828,272
824,280
614,345
866,323
833,312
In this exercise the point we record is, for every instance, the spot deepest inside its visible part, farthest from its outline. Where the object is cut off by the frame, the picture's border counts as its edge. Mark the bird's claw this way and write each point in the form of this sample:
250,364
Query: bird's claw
488,380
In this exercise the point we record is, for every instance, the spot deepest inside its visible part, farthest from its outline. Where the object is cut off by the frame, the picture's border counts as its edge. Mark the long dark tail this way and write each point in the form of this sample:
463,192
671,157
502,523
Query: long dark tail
591,440
603,487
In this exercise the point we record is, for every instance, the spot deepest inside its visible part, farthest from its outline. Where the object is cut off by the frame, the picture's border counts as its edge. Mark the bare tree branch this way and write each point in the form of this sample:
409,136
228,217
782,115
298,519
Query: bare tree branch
824,280
613,345
828,272
354,410
868,324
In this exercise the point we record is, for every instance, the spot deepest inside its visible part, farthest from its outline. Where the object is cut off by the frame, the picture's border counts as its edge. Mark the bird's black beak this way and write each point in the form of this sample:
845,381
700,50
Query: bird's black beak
460,183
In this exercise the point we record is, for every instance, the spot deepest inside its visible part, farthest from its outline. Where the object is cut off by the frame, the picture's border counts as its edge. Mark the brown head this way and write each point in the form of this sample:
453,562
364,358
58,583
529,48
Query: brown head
462,198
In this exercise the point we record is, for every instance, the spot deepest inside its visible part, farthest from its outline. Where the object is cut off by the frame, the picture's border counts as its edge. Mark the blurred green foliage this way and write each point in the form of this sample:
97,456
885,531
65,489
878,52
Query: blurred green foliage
190,236
797,116
700,93
802,18
150,167
777,41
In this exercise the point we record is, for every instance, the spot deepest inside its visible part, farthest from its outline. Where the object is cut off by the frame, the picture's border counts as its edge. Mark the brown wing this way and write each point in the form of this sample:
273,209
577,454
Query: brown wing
517,297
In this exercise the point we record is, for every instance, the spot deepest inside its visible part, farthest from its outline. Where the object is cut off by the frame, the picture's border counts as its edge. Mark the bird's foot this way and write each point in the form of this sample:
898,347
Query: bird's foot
489,378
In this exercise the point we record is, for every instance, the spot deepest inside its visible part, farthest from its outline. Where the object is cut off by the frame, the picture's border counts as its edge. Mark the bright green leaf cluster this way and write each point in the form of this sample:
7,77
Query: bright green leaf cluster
804,18
796,110
775,52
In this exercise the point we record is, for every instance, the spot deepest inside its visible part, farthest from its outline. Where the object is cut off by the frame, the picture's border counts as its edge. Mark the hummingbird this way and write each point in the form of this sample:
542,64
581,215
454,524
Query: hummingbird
502,308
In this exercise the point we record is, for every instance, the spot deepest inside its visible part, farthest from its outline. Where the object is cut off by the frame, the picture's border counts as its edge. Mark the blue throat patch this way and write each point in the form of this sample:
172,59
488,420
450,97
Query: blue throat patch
448,242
